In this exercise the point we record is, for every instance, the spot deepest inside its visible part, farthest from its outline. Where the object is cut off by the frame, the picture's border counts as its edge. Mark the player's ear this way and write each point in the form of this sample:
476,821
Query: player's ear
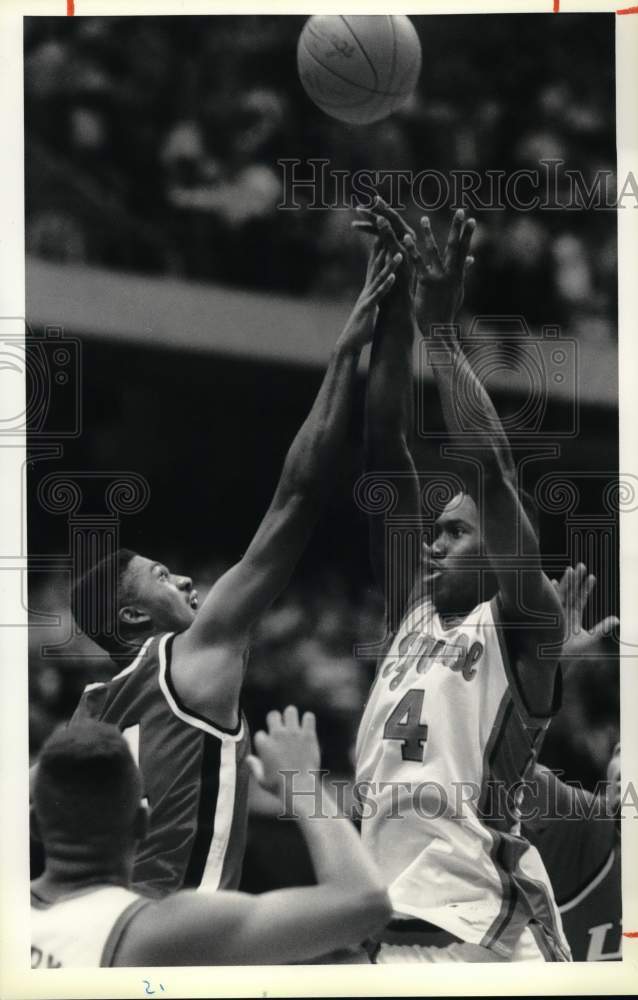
130,615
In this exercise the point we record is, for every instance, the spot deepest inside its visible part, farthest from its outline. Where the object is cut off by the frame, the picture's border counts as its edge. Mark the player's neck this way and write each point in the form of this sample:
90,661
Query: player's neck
65,875
449,619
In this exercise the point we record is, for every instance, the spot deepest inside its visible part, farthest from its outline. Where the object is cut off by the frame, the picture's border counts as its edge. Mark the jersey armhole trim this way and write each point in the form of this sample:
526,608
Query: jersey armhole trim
533,719
118,931
137,659
187,715
589,887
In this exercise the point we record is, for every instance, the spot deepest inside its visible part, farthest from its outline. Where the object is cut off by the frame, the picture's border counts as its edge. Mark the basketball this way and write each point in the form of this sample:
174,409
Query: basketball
359,69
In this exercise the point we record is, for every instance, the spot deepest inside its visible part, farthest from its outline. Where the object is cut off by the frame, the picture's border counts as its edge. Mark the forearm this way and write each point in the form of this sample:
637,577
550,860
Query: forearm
460,390
390,395
337,854
320,438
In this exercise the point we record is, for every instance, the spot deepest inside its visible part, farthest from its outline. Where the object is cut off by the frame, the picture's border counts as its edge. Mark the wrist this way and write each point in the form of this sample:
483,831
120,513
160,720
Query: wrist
439,329
347,348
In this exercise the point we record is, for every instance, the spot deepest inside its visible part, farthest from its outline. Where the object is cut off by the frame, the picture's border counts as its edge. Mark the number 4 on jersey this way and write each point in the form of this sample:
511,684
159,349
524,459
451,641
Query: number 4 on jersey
404,723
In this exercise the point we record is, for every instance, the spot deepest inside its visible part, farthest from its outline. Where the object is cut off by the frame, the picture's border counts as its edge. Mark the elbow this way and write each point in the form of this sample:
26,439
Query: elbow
378,909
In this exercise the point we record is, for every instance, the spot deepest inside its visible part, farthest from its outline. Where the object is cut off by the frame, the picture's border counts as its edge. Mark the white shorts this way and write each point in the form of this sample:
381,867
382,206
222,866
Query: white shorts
458,951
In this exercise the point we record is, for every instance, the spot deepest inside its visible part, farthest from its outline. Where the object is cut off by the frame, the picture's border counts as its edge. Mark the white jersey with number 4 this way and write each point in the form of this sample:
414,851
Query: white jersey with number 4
444,734
83,929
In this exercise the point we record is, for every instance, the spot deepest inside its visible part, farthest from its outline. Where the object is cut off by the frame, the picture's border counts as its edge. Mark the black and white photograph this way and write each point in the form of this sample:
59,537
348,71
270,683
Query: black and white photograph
318,411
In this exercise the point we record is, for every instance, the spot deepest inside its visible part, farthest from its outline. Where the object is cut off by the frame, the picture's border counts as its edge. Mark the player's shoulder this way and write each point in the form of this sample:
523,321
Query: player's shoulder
134,672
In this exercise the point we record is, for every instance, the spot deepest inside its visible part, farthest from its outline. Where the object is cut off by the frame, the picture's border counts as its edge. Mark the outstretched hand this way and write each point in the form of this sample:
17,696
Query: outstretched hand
574,590
289,745
437,278
379,279
440,278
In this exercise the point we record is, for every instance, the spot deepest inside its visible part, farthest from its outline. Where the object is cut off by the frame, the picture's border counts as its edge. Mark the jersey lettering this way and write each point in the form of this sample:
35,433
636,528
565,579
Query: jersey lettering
423,649
37,956
596,950
404,724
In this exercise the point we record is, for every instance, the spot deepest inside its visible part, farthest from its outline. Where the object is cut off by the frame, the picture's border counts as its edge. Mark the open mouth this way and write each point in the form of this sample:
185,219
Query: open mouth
193,600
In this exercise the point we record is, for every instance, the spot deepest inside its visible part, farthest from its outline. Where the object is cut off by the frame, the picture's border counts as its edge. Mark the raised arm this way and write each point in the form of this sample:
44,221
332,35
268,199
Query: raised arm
527,596
348,904
389,425
249,587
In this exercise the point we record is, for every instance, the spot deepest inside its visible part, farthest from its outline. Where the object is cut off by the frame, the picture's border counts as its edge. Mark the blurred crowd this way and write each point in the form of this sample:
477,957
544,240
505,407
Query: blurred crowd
152,145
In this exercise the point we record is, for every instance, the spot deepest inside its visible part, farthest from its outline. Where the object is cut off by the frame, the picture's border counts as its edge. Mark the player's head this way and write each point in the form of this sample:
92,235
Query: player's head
126,597
455,565
87,797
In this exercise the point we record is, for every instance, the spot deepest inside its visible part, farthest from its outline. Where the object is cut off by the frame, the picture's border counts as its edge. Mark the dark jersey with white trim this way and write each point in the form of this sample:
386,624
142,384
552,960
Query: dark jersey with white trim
580,849
194,772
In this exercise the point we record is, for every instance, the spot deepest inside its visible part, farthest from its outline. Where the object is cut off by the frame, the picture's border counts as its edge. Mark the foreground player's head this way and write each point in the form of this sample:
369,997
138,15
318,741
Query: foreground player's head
455,565
87,800
126,597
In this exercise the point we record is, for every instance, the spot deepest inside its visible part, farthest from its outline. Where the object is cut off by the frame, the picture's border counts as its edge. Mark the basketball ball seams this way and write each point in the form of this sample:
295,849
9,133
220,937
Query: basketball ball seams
336,100
352,83
329,69
359,69
363,52
327,48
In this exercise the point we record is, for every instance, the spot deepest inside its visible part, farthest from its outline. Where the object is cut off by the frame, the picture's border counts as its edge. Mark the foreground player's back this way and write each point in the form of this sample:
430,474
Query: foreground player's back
194,773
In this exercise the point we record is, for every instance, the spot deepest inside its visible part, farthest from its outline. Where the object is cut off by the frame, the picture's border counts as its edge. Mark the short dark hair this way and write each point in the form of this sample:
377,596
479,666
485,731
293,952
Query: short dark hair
87,788
95,599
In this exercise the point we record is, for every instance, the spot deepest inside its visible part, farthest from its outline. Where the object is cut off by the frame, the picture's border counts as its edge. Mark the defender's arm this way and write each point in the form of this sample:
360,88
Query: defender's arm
224,928
389,424
206,669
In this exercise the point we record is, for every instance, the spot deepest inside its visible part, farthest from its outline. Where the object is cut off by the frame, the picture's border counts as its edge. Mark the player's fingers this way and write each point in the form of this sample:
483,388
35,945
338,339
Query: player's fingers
291,717
256,767
431,253
562,588
383,289
469,263
309,722
414,257
399,225
588,584
273,720
380,284
606,627
463,248
364,227
454,236
387,232
555,584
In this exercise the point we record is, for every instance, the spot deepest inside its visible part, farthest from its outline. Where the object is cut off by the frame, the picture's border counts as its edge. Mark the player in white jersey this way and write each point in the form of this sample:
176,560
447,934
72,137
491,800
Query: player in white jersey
464,693
88,805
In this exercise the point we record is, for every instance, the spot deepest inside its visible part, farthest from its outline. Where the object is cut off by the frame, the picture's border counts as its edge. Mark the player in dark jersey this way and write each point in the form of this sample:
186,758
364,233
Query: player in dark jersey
577,832
177,700
577,835
84,912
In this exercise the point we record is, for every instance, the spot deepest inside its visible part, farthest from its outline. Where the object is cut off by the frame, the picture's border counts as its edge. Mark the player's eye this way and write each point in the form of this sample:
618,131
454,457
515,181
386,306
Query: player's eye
163,574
